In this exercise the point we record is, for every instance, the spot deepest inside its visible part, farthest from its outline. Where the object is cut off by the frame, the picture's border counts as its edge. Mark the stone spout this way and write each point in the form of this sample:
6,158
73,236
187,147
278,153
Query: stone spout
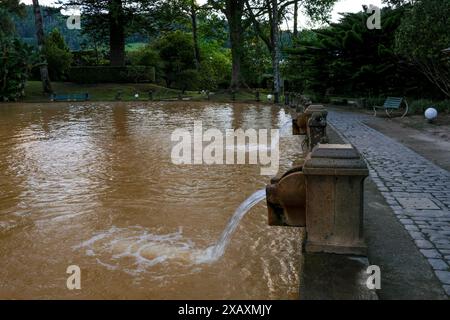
286,199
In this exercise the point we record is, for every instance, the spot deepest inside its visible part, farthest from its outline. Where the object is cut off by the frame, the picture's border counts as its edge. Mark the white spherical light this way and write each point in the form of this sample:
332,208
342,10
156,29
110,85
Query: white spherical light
431,114
269,97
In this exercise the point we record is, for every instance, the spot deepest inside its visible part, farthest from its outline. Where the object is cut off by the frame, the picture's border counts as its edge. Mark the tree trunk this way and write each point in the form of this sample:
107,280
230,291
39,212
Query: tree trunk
45,78
234,11
295,18
116,33
276,54
195,34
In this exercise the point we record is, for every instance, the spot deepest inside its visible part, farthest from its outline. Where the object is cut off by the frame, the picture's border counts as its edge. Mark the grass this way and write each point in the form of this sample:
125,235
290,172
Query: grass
134,46
100,92
108,92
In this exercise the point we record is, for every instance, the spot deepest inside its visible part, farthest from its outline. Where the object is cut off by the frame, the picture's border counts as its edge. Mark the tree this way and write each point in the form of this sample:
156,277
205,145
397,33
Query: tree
114,20
58,55
46,85
422,36
263,12
176,51
9,9
15,64
15,56
350,59
234,12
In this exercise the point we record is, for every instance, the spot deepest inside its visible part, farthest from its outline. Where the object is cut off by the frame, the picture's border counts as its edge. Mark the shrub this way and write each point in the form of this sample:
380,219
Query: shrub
108,74
419,106
89,58
188,80
374,101
215,67
58,55
443,106
144,56
15,61
176,50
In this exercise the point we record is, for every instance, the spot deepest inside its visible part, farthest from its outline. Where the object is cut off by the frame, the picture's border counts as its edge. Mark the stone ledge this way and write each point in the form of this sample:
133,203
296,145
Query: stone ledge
334,277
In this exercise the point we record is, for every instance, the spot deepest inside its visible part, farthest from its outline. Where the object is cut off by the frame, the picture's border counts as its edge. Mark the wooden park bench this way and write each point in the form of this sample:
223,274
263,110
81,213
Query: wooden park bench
70,97
393,105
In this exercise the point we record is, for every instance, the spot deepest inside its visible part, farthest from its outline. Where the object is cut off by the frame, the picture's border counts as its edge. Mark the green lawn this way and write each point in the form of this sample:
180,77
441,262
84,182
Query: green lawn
100,92
134,46
108,92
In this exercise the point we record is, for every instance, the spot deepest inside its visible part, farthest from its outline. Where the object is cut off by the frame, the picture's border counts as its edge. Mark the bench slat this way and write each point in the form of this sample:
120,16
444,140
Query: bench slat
393,103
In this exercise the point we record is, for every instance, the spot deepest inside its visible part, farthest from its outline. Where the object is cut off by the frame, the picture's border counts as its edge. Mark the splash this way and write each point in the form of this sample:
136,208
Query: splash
148,249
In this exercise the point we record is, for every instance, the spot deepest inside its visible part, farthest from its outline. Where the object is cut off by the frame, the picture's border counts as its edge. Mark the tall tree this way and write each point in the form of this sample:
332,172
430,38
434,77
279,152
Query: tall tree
116,33
234,12
16,58
276,54
422,37
295,17
193,14
45,78
8,9
114,19
263,12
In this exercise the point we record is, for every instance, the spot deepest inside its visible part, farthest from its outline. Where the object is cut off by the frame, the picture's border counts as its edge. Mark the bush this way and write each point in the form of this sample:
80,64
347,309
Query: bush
89,58
188,80
443,106
58,55
419,106
176,50
15,61
144,56
374,101
215,67
107,74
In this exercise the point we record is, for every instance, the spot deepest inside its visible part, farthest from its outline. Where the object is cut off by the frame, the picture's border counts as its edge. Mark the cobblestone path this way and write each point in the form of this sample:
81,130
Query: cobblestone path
417,190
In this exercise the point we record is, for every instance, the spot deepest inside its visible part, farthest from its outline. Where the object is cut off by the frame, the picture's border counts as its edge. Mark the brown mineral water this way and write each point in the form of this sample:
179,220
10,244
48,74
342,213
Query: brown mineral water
93,185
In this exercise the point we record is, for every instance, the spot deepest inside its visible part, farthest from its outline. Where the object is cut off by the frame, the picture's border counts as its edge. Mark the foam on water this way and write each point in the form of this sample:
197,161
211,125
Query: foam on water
148,249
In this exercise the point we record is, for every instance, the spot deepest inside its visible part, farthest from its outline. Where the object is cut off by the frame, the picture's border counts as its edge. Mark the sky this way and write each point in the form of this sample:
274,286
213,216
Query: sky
340,6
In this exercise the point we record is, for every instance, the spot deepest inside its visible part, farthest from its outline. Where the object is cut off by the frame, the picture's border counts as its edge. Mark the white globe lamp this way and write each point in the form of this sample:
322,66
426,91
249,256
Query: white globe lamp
431,114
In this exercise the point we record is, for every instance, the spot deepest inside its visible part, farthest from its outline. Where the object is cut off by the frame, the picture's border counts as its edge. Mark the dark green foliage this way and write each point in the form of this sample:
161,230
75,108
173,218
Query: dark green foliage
108,74
9,11
349,59
256,61
176,50
58,55
53,19
419,106
214,70
89,58
145,56
16,57
15,64
422,36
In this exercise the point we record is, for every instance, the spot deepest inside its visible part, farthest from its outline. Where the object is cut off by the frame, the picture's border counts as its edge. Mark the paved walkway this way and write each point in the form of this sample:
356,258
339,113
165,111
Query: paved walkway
417,190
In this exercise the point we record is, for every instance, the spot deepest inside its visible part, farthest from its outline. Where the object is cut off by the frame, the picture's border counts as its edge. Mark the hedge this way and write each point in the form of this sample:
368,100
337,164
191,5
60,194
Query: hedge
108,74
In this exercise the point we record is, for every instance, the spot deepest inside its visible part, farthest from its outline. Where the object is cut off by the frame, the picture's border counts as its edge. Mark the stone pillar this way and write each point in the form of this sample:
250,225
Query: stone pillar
300,124
334,177
316,129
